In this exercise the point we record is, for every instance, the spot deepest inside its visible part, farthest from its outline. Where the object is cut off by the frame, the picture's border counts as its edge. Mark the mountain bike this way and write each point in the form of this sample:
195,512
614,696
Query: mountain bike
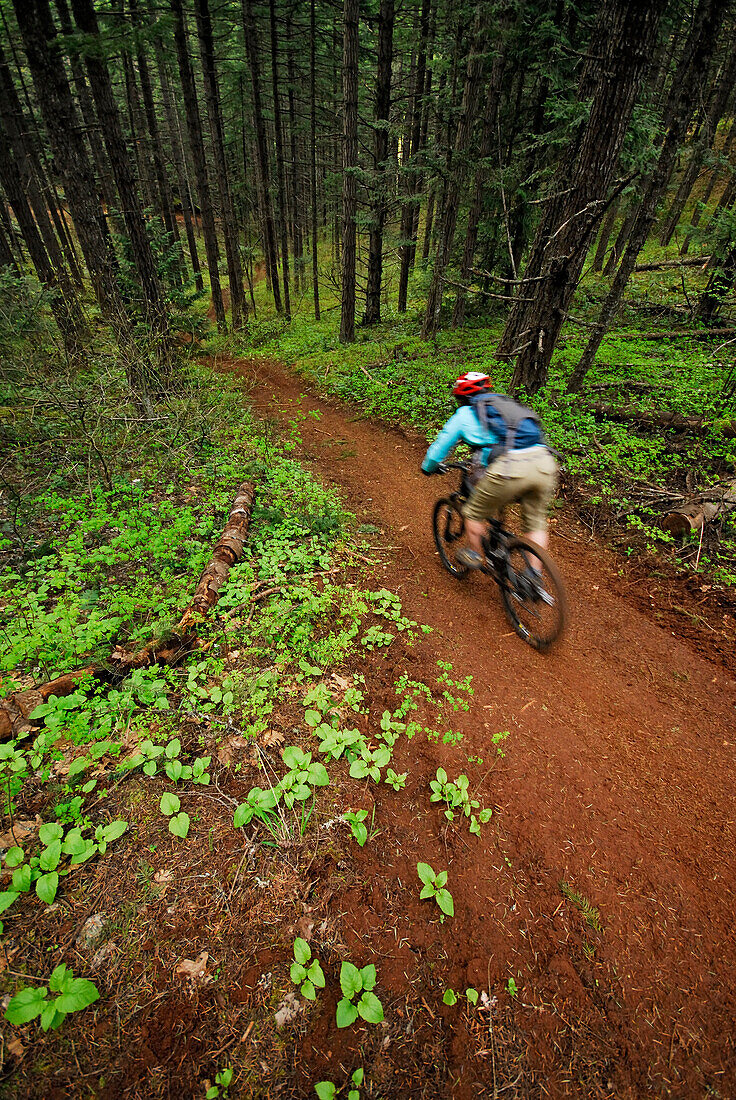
531,587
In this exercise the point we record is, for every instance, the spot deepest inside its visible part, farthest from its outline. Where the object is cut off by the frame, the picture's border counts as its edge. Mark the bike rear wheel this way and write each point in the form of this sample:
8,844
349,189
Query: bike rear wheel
448,526
536,608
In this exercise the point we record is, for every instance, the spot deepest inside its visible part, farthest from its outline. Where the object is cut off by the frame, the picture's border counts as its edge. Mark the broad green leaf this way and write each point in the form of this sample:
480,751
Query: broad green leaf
61,976
26,1005
308,991
359,832
50,856
351,981
243,814
325,1090
445,902
370,1008
368,977
318,776
14,857
7,899
425,873
169,804
46,887
346,1013
485,816
297,973
312,717
179,825
114,830
294,757
225,1077
353,1094
441,879
212,1093
173,748
302,951
472,995
449,997
150,768
81,994
358,1076
316,974
22,878
51,1017
78,766
441,775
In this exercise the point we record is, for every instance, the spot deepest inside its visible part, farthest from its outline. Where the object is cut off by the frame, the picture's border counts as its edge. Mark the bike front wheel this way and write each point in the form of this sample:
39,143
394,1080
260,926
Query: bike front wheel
448,526
536,605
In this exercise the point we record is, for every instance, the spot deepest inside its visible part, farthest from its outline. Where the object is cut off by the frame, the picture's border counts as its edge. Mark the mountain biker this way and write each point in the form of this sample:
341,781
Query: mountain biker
527,473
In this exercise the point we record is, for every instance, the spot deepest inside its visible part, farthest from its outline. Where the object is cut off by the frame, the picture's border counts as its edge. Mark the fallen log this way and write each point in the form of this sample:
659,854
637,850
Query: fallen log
703,509
691,261
698,425
690,333
17,707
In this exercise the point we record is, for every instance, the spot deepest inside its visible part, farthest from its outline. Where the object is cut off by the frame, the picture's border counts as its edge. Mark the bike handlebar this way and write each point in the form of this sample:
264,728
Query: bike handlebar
445,467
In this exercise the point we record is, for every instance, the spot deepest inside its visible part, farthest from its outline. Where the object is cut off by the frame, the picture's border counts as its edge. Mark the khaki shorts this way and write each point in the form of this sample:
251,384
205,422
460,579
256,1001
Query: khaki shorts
529,475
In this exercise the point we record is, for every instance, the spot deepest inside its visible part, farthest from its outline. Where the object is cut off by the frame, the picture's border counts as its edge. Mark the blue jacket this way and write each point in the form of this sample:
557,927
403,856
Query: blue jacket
462,427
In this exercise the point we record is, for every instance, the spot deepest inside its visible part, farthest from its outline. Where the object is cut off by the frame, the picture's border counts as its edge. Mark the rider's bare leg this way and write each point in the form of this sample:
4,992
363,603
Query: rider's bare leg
475,530
541,538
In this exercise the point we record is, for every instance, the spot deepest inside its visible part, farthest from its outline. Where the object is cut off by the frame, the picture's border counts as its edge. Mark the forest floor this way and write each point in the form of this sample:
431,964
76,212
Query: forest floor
606,885
592,948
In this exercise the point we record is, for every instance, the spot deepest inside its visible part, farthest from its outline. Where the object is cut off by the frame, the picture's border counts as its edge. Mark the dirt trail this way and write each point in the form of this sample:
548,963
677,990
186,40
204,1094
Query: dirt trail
618,780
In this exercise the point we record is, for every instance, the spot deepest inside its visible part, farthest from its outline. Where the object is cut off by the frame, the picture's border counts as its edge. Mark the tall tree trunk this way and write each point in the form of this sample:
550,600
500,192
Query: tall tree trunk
313,156
280,181
691,70
196,144
622,43
295,174
473,78
254,64
382,112
177,157
350,164
238,300
406,248
605,235
153,305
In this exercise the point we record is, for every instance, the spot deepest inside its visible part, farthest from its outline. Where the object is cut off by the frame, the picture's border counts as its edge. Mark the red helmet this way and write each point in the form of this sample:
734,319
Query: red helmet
468,385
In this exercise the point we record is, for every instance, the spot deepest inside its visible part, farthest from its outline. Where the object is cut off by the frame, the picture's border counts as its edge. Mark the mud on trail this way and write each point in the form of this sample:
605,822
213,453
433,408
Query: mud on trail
605,886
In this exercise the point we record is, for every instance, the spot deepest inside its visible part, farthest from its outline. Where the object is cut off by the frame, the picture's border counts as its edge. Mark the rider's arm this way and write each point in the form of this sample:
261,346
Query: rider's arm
454,431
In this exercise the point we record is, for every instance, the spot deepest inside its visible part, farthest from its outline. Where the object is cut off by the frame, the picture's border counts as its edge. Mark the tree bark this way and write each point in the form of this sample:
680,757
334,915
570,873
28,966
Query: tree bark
254,64
313,156
280,181
382,112
349,164
238,300
196,144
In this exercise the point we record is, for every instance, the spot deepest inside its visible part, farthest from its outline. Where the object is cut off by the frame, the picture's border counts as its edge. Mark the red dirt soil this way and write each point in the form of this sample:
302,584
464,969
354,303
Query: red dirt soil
617,781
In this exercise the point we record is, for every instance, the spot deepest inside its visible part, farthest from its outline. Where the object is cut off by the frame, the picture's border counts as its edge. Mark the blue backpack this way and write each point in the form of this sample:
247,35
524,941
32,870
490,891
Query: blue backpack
514,425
